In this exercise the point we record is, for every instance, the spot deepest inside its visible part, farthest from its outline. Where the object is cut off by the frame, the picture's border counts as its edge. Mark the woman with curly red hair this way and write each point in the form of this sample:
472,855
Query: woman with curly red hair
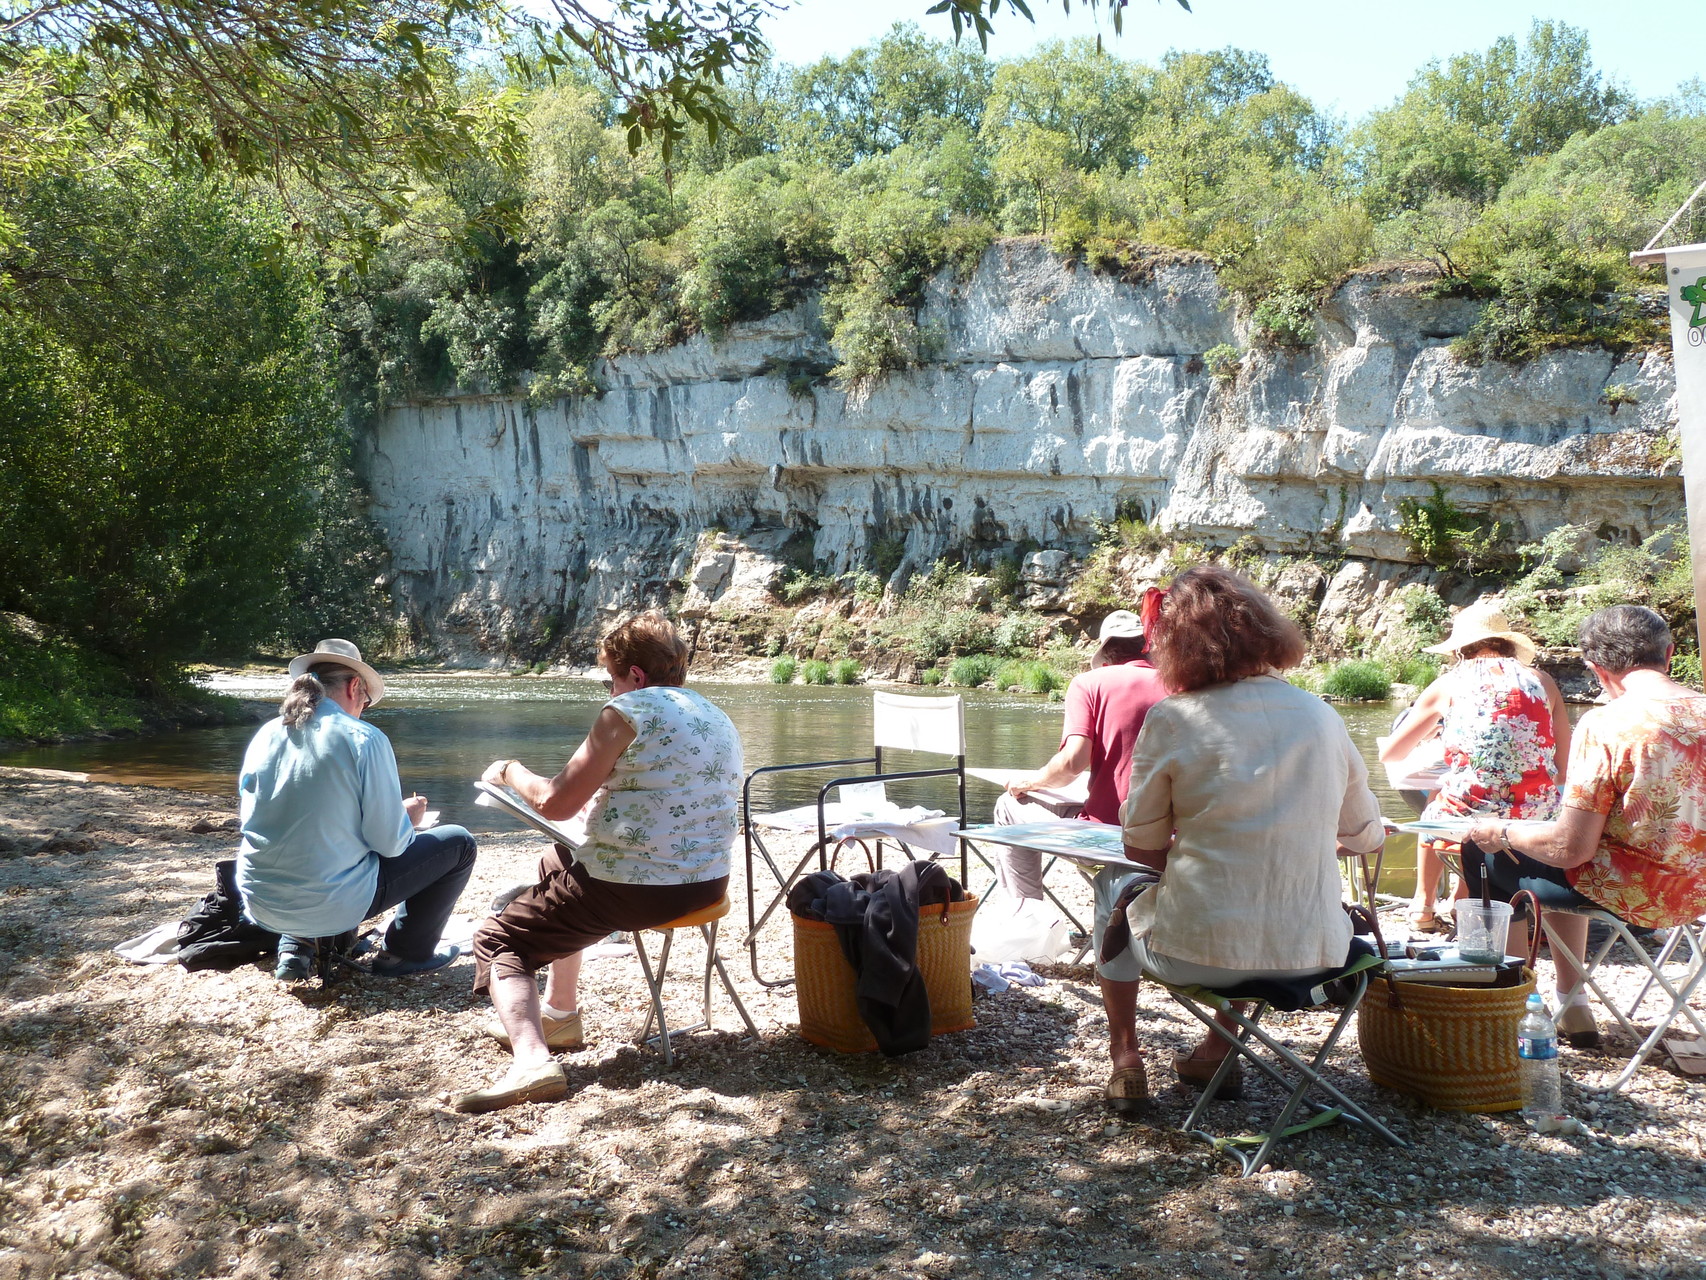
1242,787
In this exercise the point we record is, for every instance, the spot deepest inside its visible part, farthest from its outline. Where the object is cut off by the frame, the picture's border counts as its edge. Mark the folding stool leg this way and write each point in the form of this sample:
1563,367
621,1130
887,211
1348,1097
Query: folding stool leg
1308,1075
714,960
1677,934
654,984
1679,996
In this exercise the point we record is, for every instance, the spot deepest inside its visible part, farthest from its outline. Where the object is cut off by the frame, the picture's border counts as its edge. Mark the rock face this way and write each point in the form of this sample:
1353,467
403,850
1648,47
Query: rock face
1058,395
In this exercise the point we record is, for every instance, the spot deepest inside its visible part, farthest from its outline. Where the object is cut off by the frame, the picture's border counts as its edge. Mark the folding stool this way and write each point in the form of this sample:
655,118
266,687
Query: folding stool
1692,932
1288,997
705,920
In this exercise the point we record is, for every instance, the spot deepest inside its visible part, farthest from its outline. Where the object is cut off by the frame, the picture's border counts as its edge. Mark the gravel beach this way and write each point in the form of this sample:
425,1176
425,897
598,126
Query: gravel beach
160,1123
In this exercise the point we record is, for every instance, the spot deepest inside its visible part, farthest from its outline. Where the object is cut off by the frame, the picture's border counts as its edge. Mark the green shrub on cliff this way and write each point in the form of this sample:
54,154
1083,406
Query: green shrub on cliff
1357,680
782,670
971,671
1031,677
815,671
845,671
1444,535
1657,574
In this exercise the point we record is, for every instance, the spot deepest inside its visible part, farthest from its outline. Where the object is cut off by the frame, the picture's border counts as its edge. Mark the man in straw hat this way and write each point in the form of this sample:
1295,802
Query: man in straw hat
328,839
1505,730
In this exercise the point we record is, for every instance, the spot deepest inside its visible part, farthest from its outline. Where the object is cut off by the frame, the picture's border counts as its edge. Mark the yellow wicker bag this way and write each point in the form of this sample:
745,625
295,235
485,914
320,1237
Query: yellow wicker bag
1452,1047
824,981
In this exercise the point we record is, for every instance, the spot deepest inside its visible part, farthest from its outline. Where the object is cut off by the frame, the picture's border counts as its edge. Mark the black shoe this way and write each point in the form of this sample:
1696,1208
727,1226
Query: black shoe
294,966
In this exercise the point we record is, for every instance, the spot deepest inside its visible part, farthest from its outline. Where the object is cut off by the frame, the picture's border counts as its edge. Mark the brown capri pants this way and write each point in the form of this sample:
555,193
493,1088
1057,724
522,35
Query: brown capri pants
569,910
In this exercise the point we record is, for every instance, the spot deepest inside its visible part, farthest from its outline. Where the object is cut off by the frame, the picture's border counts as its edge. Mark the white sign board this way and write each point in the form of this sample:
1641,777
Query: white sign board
1685,273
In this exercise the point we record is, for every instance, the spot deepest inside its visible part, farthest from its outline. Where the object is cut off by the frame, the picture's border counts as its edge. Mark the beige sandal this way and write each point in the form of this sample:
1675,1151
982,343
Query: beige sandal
1127,1092
540,1082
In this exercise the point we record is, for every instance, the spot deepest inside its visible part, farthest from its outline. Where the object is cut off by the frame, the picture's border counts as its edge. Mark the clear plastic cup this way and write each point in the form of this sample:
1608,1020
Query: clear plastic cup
1482,930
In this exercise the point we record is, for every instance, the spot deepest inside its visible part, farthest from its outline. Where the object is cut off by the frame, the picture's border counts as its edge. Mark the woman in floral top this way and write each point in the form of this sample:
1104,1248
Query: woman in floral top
657,782
1631,838
1504,728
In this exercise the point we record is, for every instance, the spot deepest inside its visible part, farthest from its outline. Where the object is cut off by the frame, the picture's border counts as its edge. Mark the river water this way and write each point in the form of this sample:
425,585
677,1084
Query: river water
446,728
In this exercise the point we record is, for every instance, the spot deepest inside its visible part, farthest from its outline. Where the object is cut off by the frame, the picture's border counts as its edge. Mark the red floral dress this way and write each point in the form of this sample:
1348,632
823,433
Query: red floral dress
1499,749
1642,763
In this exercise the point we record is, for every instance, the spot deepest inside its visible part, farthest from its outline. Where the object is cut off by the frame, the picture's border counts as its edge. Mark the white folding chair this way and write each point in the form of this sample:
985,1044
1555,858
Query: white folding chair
1676,987
933,725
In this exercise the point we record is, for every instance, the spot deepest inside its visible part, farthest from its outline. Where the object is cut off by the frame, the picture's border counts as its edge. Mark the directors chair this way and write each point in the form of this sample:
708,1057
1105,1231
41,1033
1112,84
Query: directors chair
862,814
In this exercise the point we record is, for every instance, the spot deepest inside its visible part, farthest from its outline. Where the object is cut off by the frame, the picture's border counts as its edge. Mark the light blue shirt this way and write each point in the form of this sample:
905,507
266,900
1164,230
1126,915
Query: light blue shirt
320,804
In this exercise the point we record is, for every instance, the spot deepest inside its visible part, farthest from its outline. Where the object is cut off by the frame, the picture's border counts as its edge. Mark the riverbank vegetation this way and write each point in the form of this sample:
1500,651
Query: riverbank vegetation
993,624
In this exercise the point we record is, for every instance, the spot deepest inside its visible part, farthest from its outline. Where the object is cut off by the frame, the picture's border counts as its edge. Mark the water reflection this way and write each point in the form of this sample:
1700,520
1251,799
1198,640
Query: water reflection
447,728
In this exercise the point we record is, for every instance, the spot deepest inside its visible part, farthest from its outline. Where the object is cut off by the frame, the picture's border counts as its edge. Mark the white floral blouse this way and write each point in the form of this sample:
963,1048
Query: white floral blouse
670,811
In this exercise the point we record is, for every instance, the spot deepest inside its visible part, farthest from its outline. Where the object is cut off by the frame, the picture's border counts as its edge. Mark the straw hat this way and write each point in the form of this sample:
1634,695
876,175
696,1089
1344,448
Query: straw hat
344,654
1484,622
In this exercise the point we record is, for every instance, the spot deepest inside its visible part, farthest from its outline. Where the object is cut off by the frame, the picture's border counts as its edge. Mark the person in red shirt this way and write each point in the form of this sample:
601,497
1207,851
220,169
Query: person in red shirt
1105,709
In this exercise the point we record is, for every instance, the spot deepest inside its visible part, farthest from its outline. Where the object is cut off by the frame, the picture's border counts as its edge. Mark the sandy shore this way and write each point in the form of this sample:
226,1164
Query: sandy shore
160,1123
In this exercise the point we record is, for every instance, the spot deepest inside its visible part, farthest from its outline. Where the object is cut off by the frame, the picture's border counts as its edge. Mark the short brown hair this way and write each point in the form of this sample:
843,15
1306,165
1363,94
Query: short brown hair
1216,627
651,643
1117,649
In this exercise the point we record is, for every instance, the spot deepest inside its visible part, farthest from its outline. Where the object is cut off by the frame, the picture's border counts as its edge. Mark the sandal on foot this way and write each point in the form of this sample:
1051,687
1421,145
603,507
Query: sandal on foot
1197,1072
541,1082
1127,1092
386,965
562,1035
1429,923
1577,1027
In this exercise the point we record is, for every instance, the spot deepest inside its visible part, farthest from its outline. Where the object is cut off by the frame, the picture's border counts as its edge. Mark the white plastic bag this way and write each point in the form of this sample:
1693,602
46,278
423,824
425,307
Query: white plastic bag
1018,929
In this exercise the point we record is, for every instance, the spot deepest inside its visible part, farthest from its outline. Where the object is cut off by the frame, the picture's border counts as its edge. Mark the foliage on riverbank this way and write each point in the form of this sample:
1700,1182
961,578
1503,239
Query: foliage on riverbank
52,689
174,460
985,625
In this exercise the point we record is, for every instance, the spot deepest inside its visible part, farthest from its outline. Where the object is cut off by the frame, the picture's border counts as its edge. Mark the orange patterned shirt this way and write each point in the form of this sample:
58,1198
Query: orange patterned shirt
1642,762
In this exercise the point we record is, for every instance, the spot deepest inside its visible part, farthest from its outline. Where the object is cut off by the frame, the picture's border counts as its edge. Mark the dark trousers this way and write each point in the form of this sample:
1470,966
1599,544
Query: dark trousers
426,879
1549,885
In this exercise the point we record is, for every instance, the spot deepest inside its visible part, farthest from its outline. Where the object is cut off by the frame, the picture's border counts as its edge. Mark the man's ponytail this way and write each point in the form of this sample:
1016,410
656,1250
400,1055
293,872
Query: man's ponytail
308,689
305,694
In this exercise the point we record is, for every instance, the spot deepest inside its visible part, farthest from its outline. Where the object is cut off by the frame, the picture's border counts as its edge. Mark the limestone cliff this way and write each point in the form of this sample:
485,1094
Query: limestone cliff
1054,395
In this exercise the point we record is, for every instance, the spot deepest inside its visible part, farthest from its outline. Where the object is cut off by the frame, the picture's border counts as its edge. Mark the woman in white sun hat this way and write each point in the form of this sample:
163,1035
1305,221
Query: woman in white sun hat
1505,730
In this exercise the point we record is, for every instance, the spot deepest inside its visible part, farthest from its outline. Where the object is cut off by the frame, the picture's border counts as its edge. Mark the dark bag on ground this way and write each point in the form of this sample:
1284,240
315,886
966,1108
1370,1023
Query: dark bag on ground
875,916
215,936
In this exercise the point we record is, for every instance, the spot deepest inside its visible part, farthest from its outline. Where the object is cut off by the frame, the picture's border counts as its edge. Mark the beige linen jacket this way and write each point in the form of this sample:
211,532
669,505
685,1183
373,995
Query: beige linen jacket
1251,784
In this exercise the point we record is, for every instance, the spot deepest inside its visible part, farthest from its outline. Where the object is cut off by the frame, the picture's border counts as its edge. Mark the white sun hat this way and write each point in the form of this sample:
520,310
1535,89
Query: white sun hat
344,654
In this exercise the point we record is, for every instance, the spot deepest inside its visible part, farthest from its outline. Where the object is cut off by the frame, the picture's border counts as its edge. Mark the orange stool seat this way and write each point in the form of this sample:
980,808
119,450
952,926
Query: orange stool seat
716,911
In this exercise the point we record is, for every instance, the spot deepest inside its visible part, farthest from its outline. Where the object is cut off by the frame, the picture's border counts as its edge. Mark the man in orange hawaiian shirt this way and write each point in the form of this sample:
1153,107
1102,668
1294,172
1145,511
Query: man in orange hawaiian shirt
1632,837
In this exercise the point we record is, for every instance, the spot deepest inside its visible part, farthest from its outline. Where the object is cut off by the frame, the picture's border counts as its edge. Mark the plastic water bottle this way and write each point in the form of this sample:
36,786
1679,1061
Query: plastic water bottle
1537,1047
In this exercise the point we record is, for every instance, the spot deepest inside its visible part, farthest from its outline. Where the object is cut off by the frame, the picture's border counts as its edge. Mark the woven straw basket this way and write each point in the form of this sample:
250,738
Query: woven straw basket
824,981
1452,1047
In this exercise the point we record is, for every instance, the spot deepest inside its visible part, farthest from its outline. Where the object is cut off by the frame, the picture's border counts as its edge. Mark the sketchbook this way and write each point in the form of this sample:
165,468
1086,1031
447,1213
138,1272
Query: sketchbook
1063,802
493,797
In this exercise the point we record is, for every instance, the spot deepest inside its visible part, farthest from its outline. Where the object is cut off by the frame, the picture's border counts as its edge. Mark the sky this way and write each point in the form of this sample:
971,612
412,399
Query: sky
1349,56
